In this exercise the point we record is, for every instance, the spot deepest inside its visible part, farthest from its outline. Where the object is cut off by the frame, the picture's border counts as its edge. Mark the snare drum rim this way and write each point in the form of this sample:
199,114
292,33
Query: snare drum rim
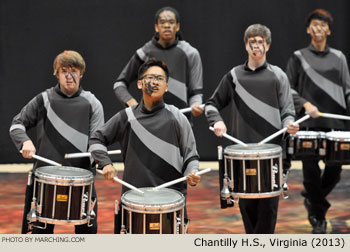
306,134
154,208
54,181
257,195
64,180
273,150
252,158
337,138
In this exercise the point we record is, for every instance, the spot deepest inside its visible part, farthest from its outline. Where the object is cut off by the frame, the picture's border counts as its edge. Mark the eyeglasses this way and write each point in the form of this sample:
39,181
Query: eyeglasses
154,77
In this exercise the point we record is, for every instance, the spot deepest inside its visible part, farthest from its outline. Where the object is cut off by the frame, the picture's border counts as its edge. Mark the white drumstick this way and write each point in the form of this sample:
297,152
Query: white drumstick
45,160
231,138
185,110
180,179
88,154
334,116
283,130
123,183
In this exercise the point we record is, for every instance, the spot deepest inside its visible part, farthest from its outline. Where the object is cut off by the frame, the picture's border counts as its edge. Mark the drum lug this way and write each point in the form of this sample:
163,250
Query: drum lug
123,230
32,216
225,192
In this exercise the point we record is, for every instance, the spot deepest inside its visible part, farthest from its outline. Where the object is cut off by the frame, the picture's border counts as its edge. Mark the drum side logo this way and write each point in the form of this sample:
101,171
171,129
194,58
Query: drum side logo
250,172
62,197
154,226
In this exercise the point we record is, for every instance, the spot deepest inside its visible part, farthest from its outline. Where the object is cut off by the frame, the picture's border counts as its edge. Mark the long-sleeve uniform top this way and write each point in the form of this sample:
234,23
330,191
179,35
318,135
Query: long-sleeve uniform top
64,125
261,102
321,78
185,70
158,146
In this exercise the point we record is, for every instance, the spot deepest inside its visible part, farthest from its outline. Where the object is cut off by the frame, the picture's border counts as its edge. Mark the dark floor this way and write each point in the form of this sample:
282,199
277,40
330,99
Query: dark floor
203,207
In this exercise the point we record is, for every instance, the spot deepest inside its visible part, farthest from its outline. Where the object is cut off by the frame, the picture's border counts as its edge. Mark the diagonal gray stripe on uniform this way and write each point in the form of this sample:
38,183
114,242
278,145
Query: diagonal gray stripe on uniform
269,113
76,138
168,152
333,90
142,54
119,84
17,126
178,89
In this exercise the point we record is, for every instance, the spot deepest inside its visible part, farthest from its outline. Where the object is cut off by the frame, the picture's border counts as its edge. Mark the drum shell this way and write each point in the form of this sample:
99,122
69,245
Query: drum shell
153,218
62,199
306,145
255,174
338,148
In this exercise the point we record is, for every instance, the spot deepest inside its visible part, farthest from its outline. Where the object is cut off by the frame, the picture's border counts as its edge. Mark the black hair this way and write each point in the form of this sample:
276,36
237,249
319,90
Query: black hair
177,16
320,14
150,63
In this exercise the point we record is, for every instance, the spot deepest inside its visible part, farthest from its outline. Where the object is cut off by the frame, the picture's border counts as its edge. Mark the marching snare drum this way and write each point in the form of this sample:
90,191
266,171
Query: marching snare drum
255,171
306,145
62,195
159,211
338,147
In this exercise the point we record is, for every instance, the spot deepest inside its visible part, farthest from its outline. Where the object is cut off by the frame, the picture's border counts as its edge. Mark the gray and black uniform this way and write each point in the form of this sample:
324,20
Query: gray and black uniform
185,71
158,146
260,104
63,125
321,78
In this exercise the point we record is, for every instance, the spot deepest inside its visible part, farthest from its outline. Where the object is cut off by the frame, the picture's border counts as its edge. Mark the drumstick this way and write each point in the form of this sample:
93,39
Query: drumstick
283,130
180,179
185,110
45,160
88,154
231,138
334,116
123,183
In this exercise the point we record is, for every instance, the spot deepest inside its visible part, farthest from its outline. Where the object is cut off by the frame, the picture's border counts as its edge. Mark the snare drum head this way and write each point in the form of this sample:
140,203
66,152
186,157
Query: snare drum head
64,174
153,200
253,150
338,136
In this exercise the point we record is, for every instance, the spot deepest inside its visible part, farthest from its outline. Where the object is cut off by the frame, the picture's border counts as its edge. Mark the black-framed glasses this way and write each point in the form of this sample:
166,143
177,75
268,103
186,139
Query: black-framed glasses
154,77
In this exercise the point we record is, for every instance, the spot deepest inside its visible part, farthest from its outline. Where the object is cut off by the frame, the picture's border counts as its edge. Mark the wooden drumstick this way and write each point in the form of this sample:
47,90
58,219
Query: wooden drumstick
173,182
186,110
283,130
88,154
45,160
334,116
231,138
123,183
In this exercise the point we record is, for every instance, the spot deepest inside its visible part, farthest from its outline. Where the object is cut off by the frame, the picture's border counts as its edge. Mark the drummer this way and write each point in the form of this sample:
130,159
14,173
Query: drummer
260,104
319,78
65,115
157,141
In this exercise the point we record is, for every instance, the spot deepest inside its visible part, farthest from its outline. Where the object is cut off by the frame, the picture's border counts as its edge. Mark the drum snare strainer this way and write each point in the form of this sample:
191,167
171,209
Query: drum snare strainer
255,171
154,212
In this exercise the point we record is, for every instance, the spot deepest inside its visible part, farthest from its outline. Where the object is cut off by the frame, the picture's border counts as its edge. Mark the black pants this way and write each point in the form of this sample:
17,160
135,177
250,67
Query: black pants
318,185
259,215
79,229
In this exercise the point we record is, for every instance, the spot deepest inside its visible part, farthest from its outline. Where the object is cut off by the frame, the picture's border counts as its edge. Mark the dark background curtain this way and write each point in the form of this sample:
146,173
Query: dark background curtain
108,32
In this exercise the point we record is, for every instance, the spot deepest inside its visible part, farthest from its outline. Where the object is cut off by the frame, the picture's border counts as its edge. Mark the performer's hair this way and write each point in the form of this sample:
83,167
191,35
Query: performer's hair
150,63
177,16
321,15
258,30
69,59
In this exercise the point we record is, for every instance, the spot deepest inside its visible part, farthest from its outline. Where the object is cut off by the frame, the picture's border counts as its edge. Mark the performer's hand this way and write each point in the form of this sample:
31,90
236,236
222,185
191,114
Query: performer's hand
311,110
192,178
196,110
109,172
292,128
219,128
28,149
131,102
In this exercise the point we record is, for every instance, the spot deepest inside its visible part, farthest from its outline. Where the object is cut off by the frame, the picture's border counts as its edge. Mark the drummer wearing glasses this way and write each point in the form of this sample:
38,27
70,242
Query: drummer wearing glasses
261,104
157,141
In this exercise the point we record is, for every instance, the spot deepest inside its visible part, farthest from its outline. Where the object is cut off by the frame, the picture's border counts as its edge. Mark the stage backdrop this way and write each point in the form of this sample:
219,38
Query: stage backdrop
107,33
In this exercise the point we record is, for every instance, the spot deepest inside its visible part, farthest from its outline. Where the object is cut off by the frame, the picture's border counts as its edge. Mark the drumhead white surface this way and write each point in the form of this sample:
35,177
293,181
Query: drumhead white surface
338,135
253,150
64,174
164,198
